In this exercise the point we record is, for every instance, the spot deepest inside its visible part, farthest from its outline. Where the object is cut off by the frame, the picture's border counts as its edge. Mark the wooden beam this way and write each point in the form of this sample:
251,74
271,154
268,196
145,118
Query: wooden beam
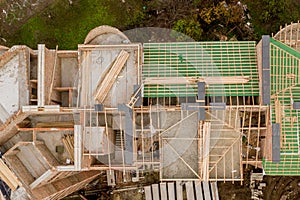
67,54
189,190
206,145
163,191
49,174
171,191
155,191
45,129
206,190
148,193
198,188
214,190
8,176
64,89
61,124
193,80
104,85
179,193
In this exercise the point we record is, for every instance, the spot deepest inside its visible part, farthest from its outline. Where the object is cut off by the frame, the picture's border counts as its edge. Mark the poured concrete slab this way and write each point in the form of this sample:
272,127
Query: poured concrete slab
179,156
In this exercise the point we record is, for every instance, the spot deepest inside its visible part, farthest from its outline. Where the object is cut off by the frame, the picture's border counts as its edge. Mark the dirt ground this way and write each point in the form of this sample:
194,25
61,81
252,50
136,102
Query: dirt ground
230,191
282,188
277,188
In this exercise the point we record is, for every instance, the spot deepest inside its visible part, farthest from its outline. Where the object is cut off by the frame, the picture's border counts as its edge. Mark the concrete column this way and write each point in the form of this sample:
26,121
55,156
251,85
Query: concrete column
41,75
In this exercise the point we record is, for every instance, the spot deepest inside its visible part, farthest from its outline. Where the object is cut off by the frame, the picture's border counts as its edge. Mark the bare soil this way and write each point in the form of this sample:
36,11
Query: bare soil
282,188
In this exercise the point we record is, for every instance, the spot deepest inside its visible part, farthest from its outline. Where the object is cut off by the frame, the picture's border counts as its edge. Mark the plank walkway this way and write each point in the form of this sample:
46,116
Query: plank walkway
195,190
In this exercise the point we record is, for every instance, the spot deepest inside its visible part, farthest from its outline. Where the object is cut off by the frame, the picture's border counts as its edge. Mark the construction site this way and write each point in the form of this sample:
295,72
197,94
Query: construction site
196,113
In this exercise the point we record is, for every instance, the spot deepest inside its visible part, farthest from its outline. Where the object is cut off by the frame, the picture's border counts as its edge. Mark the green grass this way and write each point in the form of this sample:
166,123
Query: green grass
67,25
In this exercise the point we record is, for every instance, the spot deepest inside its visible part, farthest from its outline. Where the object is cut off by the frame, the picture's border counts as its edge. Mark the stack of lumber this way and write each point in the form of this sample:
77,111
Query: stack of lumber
68,141
105,85
8,177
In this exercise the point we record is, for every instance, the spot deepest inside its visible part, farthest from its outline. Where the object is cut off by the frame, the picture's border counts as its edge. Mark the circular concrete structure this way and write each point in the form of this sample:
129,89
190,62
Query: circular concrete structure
106,35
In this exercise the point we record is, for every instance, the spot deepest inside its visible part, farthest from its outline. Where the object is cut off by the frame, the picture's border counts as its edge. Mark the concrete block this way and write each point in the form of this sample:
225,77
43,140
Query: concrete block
276,142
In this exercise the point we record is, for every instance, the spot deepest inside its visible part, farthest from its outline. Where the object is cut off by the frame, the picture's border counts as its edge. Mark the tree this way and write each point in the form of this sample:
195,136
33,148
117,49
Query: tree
189,27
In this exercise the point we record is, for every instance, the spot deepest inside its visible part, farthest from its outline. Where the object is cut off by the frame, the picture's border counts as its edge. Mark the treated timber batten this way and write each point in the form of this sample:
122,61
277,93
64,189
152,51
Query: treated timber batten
104,86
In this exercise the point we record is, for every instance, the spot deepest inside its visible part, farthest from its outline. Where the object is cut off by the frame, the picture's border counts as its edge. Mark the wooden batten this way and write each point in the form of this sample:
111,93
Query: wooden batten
194,80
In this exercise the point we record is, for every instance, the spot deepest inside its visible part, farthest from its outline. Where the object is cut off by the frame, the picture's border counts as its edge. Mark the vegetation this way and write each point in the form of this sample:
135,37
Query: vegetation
191,28
67,22
269,15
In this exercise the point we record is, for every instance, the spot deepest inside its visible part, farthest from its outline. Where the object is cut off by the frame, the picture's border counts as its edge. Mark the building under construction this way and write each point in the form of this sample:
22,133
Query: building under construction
193,111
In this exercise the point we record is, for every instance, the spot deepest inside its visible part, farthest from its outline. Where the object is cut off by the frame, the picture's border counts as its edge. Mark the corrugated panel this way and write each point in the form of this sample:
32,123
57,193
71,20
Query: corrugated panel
200,59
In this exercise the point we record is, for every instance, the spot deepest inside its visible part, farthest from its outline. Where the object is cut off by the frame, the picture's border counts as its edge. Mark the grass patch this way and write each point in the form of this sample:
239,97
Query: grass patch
67,25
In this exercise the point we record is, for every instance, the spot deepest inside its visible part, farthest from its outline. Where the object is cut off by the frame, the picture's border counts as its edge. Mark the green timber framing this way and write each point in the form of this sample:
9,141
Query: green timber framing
198,59
285,91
